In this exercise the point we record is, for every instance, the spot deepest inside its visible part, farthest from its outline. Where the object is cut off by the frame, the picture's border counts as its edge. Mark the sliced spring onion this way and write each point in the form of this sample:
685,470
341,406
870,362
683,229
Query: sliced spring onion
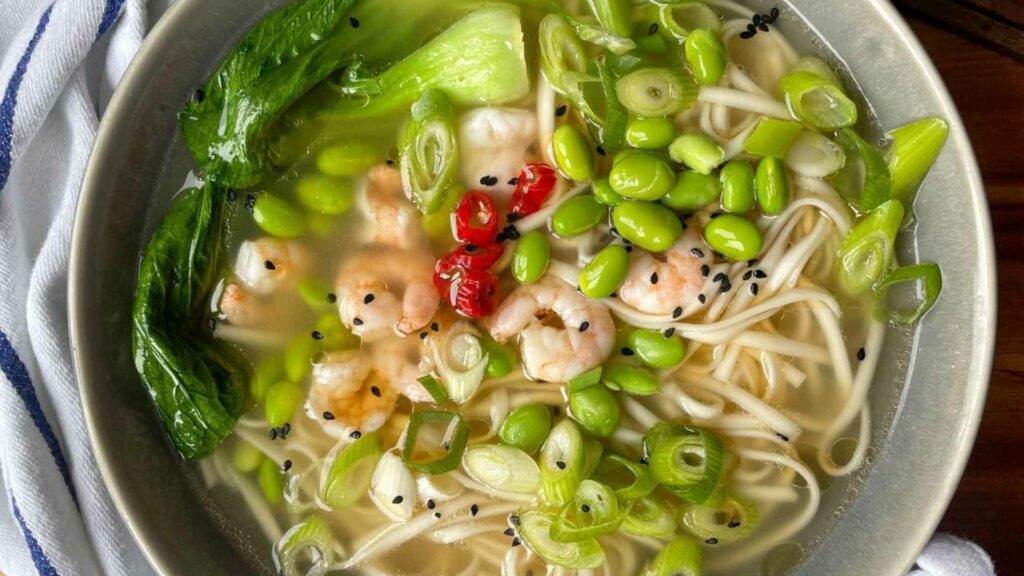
612,132
393,488
677,19
685,459
864,179
604,38
681,557
434,388
442,458
535,526
630,480
818,102
652,92
813,154
730,520
914,149
348,475
502,468
429,152
439,488
585,380
562,462
867,251
461,361
306,549
561,51
650,516
816,65
928,274
772,137
592,450
593,511
613,15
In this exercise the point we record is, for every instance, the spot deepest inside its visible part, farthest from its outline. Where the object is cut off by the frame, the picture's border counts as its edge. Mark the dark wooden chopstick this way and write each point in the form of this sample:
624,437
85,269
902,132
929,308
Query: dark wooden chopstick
998,24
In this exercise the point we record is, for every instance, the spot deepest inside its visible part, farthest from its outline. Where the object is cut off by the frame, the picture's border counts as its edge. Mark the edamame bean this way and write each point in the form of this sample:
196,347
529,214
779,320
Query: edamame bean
772,186
267,372
692,191
605,194
578,215
631,379
596,410
572,153
334,334
650,133
320,225
246,457
298,357
326,194
271,484
641,176
526,427
605,273
657,349
531,258
697,151
737,187
734,236
280,403
706,55
350,159
314,293
277,217
649,225
500,359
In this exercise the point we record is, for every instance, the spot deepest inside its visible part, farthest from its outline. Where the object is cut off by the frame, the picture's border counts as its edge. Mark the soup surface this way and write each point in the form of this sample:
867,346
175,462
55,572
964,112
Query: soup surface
488,287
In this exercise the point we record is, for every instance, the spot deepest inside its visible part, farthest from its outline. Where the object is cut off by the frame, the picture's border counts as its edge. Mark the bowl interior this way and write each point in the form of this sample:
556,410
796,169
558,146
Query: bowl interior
925,400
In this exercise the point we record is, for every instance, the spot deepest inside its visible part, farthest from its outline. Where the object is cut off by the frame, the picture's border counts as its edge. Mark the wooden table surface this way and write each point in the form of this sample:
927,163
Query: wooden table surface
989,91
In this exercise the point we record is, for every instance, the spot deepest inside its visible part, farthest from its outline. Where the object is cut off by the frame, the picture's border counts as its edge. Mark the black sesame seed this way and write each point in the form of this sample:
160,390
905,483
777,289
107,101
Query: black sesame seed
500,237
470,247
489,180
629,249
389,162
516,542
697,252
614,295
726,286
250,202
677,312
368,298
585,508
285,429
357,321
557,411
757,19
332,297
705,270
654,278
746,35
397,500
512,232
753,288
670,332
287,465
734,524
513,217
748,274
561,110
273,433
211,324
355,435
353,21
423,335
437,514
652,29
764,27
643,461
720,277
715,215
474,510
435,326
752,28
584,326
514,181
317,335
601,151
509,532
431,504
774,13
782,436
269,265
712,541
702,298
760,274
627,351
328,416
862,354
515,519
751,263
232,195
375,391
560,464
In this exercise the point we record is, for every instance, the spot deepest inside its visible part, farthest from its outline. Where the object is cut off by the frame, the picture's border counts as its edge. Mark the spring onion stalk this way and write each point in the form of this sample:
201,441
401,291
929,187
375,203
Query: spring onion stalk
729,520
818,102
592,451
914,149
772,137
393,488
561,51
867,251
502,468
429,152
306,549
652,92
592,512
686,460
814,155
478,60
681,557
650,516
442,458
562,462
678,19
439,488
585,380
928,274
534,526
461,361
864,180
435,389
612,132
613,15
817,66
348,475
630,480
604,38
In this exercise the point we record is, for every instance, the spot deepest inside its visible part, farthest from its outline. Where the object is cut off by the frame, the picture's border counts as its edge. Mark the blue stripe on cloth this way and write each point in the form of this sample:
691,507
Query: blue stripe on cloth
43,565
17,374
110,13
10,100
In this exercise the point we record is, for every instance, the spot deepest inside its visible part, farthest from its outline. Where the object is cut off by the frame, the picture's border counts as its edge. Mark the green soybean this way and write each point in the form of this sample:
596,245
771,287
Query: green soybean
650,133
265,373
314,293
298,357
706,55
578,215
280,403
631,379
278,217
320,225
596,410
692,191
271,484
657,349
351,159
605,273
697,151
572,153
649,225
737,187
526,427
605,194
734,236
531,257
501,359
245,457
326,194
334,334
641,176
772,186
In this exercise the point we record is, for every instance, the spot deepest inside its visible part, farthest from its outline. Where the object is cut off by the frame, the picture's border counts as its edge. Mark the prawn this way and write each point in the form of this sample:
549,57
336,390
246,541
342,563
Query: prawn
395,220
404,361
349,395
561,332
493,143
663,283
267,264
238,307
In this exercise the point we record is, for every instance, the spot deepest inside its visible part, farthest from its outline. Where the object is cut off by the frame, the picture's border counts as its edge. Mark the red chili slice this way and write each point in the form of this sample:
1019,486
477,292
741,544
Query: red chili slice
479,258
536,182
476,219
475,293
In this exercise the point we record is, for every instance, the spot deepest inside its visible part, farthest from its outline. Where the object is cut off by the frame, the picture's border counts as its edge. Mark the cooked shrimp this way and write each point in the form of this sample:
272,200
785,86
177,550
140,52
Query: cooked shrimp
368,289
561,332
661,283
237,306
348,395
404,361
266,264
395,220
493,143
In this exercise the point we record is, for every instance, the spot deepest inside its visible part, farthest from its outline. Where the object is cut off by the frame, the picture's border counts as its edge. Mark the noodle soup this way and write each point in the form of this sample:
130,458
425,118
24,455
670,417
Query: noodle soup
508,287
